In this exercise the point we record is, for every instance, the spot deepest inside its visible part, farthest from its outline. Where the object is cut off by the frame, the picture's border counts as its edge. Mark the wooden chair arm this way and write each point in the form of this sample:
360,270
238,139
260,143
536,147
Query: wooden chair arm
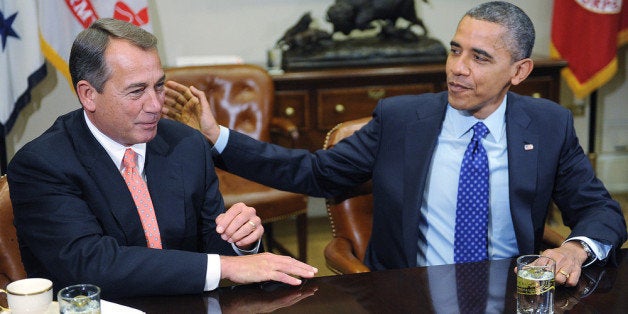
551,238
284,127
341,259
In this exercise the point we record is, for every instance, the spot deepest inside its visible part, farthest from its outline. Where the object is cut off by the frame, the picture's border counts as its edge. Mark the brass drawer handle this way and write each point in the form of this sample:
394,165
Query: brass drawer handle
536,95
376,93
339,108
289,112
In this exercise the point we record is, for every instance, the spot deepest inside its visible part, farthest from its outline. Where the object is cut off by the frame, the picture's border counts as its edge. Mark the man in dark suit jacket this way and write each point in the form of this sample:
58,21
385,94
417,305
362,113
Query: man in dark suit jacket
412,150
75,217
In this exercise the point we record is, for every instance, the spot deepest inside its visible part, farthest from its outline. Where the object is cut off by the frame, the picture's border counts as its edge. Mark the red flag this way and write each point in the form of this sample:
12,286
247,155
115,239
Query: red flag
622,37
61,20
587,34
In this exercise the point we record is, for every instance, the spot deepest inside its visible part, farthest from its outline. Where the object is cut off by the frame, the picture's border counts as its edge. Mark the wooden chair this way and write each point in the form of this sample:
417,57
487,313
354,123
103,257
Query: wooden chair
242,98
351,217
11,268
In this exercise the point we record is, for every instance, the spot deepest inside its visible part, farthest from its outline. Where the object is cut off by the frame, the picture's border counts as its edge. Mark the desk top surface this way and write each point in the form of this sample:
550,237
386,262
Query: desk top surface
421,289
540,62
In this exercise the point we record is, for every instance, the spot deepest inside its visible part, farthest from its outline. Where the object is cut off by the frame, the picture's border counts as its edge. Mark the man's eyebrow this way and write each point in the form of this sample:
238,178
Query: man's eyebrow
483,52
475,50
143,85
136,85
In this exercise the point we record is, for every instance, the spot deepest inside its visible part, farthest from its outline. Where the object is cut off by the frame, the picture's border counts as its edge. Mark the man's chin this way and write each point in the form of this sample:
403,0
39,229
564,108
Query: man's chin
463,107
456,102
146,135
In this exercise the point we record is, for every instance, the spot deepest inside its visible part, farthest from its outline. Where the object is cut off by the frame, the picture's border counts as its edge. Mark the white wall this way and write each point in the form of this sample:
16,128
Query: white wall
248,27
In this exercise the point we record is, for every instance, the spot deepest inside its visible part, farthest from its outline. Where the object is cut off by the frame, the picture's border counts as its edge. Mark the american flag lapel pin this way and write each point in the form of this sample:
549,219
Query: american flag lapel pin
528,147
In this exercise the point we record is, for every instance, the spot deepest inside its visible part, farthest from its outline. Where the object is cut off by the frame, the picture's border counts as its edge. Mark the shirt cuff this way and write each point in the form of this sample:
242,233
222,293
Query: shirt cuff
222,140
212,277
241,252
600,250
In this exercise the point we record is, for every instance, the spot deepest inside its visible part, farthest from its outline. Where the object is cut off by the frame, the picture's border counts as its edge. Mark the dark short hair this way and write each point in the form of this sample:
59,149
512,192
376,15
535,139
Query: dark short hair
87,58
519,27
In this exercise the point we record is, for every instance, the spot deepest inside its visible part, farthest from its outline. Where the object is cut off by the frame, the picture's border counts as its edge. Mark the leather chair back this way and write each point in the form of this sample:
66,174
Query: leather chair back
350,215
11,267
241,95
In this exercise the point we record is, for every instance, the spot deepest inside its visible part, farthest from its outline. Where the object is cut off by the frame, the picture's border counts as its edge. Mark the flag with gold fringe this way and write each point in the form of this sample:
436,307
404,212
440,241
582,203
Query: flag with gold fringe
587,33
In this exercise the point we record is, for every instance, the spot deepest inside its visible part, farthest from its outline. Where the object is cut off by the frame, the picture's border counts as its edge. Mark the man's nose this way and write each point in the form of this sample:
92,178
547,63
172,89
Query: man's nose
155,102
460,66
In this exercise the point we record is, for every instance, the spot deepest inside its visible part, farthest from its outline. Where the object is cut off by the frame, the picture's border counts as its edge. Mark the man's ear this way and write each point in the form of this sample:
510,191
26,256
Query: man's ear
86,94
522,69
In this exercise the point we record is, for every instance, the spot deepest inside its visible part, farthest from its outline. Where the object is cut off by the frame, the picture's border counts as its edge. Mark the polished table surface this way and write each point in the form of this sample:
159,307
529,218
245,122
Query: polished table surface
413,290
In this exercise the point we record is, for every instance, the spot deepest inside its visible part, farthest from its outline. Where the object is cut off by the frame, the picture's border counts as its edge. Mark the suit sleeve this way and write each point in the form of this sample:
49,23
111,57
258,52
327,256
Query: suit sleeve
61,237
586,206
323,173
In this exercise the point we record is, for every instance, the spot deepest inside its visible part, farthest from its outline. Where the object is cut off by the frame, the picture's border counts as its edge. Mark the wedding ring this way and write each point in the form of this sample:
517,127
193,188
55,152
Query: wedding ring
566,304
564,273
255,226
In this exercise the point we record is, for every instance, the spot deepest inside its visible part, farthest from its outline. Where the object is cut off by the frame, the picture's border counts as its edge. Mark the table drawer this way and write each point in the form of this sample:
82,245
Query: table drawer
292,105
342,104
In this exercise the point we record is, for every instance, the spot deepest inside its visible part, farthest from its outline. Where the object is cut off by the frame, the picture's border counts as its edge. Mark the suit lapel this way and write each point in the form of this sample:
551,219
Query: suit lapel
523,148
420,142
166,188
164,184
107,177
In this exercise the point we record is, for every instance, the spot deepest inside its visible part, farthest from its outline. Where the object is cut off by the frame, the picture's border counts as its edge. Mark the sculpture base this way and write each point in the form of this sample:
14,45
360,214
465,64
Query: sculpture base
365,52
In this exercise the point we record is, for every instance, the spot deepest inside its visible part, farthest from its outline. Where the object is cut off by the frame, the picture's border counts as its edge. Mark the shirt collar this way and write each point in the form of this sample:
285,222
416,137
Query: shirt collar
462,121
116,150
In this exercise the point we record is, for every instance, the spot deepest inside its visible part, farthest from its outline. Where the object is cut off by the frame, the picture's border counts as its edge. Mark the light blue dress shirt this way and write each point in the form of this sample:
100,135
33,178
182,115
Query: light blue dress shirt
438,210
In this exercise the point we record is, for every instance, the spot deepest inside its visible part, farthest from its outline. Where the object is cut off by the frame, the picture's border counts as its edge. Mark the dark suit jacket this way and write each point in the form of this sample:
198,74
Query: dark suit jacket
76,221
395,149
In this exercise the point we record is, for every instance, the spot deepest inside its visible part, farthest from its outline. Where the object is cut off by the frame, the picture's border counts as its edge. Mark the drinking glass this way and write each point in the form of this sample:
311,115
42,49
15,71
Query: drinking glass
79,299
275,56
535,284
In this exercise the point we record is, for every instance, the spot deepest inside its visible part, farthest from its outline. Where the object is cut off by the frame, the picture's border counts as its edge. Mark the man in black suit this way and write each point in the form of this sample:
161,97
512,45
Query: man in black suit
413,149
76,219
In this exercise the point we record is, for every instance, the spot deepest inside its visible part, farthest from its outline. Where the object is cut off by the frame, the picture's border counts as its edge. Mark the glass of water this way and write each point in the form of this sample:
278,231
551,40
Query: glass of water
83,299
535,284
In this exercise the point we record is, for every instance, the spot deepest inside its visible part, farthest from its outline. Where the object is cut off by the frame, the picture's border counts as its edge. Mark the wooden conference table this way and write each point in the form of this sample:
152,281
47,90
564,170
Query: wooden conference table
413,290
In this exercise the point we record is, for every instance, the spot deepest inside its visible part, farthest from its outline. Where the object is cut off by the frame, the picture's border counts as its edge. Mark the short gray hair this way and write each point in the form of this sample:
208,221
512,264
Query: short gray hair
519,27
87,58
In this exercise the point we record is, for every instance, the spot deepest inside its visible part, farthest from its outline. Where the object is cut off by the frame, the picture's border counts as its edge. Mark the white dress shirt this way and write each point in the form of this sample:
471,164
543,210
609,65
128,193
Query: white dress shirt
116,151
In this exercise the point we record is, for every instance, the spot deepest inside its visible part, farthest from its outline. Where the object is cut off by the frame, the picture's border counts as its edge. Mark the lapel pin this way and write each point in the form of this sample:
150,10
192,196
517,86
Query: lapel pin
528,147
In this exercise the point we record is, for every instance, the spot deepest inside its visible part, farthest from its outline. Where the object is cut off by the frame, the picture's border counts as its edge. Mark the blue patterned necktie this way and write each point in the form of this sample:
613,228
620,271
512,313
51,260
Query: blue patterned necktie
471,243
472,281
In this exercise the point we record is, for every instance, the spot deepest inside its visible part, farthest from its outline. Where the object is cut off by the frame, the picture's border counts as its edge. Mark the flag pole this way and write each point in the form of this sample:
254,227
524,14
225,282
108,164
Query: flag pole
592,127
3,151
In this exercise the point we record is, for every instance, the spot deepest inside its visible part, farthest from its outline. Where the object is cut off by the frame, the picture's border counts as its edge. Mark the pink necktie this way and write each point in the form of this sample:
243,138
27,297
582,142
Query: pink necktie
140,194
